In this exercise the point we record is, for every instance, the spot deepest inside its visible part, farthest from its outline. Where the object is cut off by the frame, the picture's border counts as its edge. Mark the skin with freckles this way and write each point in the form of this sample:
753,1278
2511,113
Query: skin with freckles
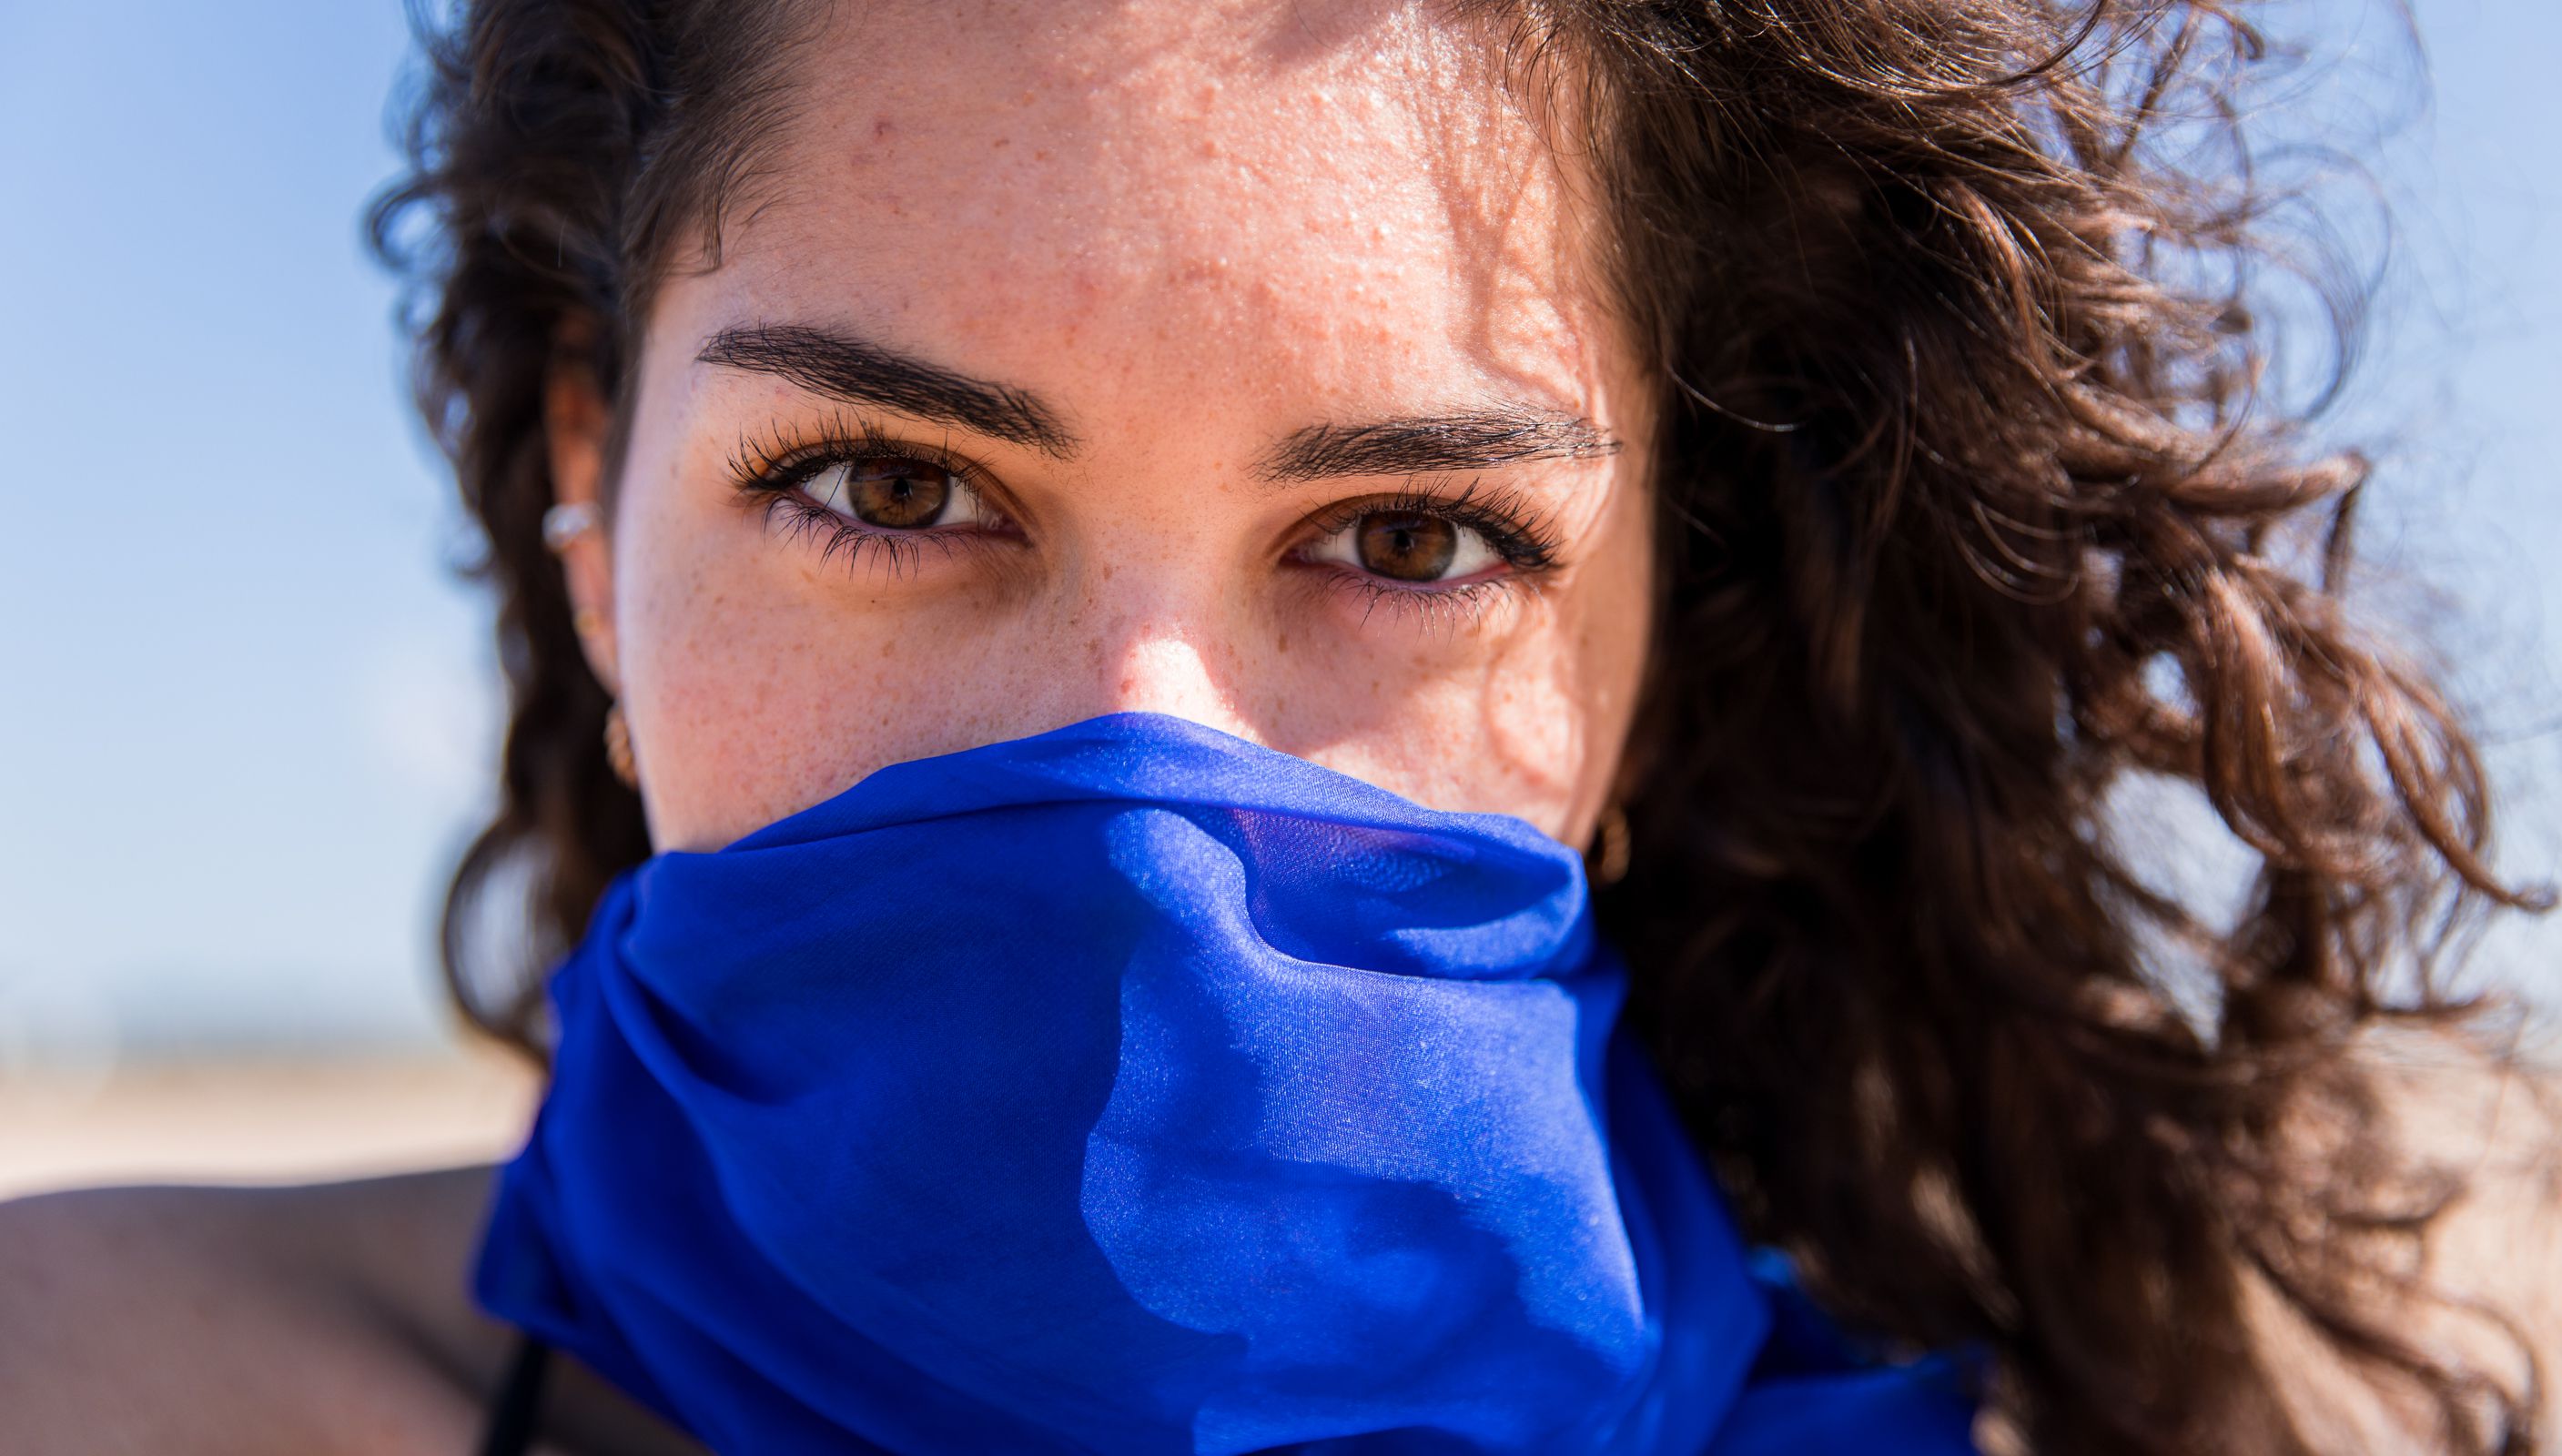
1189,237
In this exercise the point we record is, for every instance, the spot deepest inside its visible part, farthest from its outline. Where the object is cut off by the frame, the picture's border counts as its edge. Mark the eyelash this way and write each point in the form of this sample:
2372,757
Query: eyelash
1521,535
775,467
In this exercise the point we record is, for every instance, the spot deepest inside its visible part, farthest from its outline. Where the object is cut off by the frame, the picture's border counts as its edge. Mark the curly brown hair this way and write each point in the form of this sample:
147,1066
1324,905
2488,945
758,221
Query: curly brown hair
1972,511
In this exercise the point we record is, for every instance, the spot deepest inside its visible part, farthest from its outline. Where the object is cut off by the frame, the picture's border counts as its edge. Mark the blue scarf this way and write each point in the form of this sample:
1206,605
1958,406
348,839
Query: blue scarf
1133,1089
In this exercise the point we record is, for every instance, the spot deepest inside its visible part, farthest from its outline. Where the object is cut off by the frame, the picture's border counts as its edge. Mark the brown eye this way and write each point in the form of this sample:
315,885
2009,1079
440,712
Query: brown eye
1409,546
895,494
1406,546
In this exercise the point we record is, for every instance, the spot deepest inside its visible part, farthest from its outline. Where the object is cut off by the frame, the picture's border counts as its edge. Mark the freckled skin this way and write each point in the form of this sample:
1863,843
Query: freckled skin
1192,229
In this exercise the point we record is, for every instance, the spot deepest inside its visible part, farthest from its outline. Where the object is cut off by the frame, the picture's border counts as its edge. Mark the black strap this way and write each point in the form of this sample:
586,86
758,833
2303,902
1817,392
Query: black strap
518,1409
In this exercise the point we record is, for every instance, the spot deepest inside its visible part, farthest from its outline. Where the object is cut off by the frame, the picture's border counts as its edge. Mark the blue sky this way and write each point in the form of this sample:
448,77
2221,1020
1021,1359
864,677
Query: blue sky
246,710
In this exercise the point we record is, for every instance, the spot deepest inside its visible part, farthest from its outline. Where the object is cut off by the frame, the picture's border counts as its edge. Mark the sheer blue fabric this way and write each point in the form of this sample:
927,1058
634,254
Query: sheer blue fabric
1131,1088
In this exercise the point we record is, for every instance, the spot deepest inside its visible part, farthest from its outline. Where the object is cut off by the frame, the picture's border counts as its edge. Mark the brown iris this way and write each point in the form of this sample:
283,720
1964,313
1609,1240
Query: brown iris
896,494
1406,546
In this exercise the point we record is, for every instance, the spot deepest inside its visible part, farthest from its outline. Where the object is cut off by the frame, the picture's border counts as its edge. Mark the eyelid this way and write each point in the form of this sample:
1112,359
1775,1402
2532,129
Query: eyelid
1522,534
787,456
826,485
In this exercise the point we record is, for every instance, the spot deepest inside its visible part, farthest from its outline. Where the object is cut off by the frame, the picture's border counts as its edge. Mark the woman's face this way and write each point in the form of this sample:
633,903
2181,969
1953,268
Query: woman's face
1236,361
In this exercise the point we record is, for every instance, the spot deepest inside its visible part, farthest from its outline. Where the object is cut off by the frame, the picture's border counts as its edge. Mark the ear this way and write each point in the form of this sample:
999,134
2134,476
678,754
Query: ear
576,418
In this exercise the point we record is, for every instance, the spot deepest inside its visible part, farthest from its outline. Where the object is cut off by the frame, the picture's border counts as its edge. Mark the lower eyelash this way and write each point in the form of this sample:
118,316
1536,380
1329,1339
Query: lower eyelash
1449,608
900,551
1521,535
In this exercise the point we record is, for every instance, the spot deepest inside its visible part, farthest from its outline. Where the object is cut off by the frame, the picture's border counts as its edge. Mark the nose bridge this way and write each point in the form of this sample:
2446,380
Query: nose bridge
1160,636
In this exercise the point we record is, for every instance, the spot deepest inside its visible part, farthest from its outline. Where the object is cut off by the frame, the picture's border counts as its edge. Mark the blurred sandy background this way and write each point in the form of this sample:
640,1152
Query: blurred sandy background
258,1119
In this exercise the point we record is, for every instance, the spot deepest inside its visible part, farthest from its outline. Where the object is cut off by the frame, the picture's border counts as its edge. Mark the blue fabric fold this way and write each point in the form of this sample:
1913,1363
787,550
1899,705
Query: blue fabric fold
1131,1088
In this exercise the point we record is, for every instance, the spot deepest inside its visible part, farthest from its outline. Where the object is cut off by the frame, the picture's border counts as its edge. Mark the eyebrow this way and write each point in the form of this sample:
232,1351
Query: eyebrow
860,372
1424,444
864,373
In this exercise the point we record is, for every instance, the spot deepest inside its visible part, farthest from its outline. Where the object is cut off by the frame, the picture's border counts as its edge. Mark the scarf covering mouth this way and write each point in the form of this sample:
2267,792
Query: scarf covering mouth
1129,1089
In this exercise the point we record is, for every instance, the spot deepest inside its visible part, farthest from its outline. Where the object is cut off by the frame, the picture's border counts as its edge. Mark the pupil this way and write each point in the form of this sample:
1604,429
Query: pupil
896,496
1406,546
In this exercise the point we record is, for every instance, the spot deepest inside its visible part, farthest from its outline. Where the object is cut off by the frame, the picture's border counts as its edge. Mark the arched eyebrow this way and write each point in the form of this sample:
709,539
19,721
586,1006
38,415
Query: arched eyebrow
864,373
1425,443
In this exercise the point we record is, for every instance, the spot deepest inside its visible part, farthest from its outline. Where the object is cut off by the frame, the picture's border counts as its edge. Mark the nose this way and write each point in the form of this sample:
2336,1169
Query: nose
1164,670
1157,643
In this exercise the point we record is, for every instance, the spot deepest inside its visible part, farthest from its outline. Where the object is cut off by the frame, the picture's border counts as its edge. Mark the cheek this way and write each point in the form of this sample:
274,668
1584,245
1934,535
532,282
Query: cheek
1614,639
1535,722
743,701
721,686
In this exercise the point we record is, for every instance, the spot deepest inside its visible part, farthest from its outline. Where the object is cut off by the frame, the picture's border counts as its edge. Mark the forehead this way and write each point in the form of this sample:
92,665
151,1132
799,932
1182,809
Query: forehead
1349,199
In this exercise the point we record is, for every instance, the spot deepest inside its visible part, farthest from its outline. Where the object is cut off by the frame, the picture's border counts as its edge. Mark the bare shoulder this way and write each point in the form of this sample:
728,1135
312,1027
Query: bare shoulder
2498,1127
2492,1262
196,1320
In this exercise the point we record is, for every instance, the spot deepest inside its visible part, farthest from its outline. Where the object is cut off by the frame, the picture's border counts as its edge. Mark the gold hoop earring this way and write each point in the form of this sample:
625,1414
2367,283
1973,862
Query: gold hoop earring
617,747
1606,862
